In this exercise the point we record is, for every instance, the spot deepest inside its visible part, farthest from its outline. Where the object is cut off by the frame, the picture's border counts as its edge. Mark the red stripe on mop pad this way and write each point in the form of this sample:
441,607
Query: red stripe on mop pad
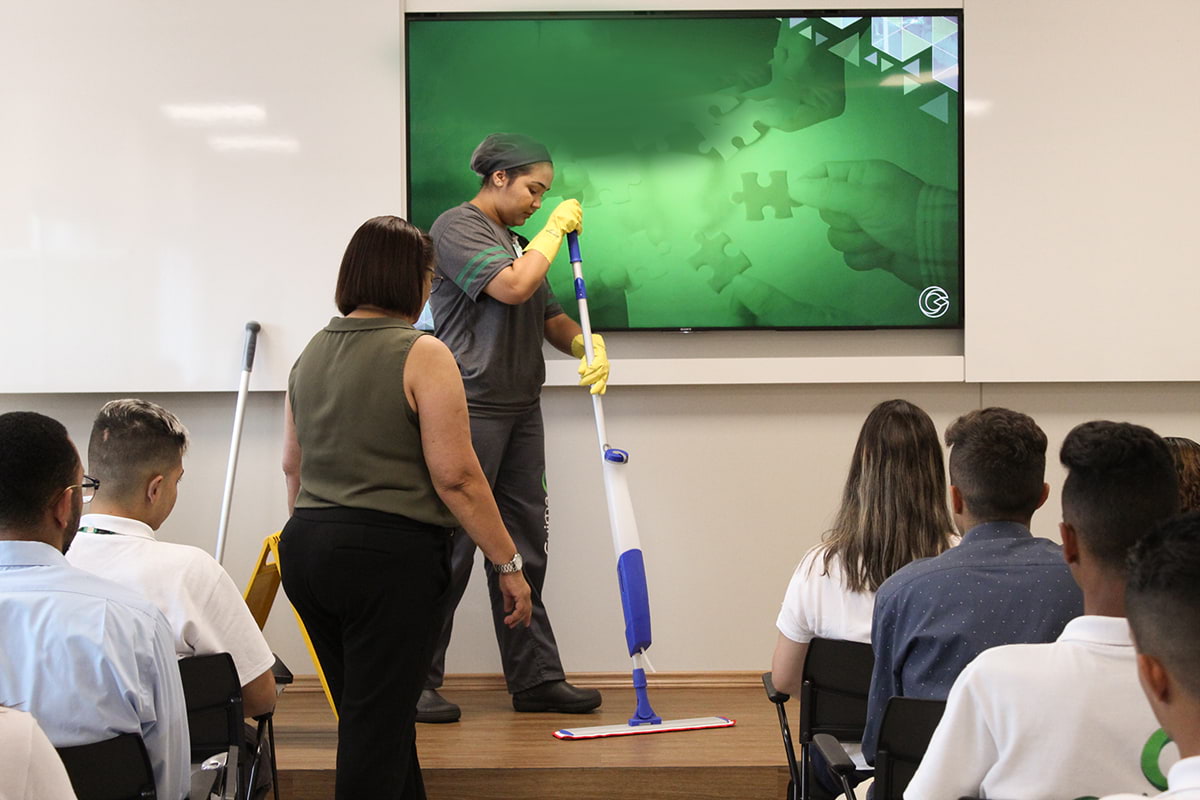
666,726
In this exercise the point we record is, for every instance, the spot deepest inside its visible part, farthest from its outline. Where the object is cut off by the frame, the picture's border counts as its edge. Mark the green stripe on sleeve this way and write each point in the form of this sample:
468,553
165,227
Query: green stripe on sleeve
485,263
472,267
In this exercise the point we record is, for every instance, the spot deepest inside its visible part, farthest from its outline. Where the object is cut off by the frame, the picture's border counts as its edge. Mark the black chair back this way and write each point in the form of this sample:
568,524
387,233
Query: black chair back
908,725
115,769
833,694
213,695
835,681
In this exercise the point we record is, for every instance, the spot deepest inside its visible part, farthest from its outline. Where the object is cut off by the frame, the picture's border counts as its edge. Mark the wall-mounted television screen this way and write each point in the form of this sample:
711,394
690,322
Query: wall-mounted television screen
736,170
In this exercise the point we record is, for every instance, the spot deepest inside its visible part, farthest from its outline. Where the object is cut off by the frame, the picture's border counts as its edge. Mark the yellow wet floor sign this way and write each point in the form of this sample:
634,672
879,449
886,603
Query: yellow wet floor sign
260,596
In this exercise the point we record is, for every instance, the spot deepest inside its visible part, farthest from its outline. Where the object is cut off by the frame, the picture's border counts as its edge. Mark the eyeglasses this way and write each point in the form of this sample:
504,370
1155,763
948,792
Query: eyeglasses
87,489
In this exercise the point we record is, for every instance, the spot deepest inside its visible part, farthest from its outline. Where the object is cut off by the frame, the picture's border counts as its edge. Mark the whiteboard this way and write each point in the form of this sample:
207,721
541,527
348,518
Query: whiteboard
169,171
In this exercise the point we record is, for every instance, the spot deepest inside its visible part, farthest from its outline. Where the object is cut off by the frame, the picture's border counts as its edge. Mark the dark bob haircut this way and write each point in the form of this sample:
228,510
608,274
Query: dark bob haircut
385,265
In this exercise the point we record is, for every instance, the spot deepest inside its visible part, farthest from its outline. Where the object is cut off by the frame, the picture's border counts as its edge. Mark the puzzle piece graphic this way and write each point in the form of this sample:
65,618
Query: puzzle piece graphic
731,130
725,266
595,185
657,237
572,180
756,197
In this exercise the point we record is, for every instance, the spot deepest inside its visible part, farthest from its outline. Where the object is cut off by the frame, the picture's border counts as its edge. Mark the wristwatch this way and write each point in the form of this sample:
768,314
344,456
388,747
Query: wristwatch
512,566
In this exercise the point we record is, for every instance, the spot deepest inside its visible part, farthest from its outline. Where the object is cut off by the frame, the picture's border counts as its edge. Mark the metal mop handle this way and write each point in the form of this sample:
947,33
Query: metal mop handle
251,344
631,569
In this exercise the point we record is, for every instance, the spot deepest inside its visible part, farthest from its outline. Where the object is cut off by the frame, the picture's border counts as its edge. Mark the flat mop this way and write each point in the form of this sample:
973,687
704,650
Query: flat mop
631,569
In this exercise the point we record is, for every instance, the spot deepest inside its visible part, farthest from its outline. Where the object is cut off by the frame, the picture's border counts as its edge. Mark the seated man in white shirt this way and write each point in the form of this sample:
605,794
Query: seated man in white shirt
1065,719
31,768
136,452
1162,598
87,658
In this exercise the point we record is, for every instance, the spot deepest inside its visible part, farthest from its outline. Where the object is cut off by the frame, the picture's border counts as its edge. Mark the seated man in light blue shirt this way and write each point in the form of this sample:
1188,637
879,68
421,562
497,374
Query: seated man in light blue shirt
86,657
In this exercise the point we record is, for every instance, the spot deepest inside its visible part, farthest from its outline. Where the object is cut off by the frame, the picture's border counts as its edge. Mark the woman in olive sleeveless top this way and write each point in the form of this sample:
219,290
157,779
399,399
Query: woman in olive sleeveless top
379,470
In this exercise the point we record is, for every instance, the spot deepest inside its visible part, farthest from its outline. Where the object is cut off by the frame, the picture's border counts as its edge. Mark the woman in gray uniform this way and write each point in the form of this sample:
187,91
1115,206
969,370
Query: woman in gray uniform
493,308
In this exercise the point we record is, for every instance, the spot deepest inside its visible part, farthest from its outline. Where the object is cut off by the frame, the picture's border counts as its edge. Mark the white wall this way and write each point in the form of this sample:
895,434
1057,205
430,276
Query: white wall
1081,170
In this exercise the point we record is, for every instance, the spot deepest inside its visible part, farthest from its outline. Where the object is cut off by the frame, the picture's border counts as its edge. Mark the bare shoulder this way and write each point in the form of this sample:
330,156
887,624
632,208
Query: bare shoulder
431,372
429,351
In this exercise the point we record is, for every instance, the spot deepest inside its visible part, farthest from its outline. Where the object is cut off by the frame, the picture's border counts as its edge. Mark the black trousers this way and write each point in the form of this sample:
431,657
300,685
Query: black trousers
371,589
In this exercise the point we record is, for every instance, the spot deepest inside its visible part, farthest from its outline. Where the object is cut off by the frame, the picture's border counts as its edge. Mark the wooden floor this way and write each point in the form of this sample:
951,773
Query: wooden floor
497,753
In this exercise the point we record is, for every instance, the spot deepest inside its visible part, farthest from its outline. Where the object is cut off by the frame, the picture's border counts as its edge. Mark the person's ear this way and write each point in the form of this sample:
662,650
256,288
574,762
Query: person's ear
154,488
1070,542
499,178
1154,678
1045,494
63,510
956,500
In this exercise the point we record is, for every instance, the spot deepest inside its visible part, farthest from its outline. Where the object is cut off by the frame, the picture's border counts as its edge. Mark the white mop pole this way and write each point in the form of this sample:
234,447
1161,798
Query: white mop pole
631,570
239,416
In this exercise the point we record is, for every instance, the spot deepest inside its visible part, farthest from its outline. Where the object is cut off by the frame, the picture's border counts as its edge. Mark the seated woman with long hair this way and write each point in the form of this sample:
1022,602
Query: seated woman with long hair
893,511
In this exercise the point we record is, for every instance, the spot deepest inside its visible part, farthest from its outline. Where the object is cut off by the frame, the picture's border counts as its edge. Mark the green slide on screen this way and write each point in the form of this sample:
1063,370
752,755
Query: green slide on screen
735,171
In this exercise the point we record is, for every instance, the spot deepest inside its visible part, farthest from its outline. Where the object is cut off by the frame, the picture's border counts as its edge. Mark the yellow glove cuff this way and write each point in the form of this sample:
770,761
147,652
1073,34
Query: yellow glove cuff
547,243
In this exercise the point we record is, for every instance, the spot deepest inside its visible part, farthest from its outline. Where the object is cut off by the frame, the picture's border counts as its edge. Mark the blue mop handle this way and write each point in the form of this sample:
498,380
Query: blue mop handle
585,320
631,568
573,247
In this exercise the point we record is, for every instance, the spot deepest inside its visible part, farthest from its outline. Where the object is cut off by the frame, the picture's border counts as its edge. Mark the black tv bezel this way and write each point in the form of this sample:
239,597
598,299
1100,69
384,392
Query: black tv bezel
958,12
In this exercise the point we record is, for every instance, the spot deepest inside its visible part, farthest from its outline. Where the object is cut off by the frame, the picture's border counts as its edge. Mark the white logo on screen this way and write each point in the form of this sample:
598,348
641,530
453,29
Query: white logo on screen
934,302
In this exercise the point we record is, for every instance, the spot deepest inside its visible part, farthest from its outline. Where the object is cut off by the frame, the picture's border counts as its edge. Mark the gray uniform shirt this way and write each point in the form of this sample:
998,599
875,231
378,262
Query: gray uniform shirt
498,346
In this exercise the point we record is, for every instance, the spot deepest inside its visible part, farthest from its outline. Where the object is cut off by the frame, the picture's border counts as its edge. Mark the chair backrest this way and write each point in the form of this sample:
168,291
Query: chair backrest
834,687
115,769
904,734
213,695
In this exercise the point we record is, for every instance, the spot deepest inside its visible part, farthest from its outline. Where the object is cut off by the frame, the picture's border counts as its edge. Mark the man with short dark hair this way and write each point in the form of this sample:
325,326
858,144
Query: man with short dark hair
1073,704
87,658
1162,599
136,452
1000,585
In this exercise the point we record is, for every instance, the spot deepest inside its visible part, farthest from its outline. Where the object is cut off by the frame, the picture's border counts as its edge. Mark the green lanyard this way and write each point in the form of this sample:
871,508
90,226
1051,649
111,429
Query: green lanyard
90,529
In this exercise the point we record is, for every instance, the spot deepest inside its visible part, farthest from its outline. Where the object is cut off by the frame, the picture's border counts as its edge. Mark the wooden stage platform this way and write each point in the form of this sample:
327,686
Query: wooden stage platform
495,752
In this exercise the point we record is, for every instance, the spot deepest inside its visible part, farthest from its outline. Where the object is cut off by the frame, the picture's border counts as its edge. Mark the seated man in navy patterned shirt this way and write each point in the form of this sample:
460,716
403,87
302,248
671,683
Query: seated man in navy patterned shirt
1000,585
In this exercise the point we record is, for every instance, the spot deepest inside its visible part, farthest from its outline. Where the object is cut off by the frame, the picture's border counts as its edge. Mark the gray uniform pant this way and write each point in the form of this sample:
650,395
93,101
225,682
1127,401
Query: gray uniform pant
511,450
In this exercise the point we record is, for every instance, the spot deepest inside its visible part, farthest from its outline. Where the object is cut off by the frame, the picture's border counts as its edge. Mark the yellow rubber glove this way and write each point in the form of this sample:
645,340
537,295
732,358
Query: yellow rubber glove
567,216
596,373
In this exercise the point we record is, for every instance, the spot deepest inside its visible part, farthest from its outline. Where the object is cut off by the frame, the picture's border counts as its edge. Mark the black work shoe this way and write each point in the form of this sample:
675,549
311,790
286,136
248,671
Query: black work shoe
432,707
557,696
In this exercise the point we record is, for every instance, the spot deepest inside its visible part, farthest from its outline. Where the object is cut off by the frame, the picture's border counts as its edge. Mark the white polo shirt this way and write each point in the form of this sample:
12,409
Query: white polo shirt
1183,780
202,604
1044,721
818,606
30,768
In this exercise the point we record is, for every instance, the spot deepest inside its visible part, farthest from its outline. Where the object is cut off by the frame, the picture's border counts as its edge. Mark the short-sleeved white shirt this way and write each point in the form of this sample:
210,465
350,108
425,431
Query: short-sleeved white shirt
1044,721
1183,780
30,769
202,604
817,604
